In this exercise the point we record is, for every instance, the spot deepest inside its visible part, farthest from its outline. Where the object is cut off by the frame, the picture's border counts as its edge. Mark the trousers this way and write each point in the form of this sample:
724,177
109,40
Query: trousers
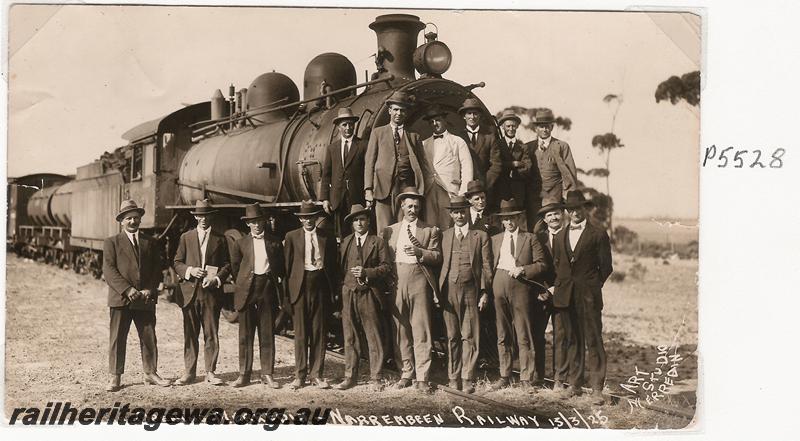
308,316
202,312
579,338
361,314
120,324
411,314
463,330
256,318
512,301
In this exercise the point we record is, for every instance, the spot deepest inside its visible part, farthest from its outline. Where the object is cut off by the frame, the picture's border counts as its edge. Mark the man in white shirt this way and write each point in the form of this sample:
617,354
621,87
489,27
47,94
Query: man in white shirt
258,266
447,170
200,295
518,259
310,255
416,251
464,281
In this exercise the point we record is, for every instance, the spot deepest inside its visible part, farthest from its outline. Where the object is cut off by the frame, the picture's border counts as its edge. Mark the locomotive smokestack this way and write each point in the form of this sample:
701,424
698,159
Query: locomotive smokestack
397,39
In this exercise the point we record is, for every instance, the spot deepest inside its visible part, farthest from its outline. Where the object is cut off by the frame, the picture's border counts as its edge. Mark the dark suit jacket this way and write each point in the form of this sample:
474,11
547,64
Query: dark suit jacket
377,263
486,225
188,254
429,237
480,258
485,144
294,253
380,160
529,254
122,270
338,178
548,277
242,265
509,181
583,272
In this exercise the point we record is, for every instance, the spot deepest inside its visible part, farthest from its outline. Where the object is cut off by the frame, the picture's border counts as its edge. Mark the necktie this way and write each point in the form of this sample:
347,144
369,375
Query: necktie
414,240
396,136
542,146
358,246
552,240
438,136
313,251
135,246
511,144
472,138
478,218
344,150
459,236
512,245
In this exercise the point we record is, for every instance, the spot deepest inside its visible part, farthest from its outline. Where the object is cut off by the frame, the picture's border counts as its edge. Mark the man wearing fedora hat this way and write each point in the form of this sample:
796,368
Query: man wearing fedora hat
514,177
464,281
416,251
518,256
365,266
582,259
258,267
556,167
132,270
392,161
481,140
447,168
478,216
343,171
199,293
310,255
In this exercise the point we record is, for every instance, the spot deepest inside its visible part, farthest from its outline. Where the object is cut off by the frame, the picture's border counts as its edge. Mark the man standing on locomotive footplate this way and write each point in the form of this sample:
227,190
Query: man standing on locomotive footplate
464,281
311,256
391,161
416,251
365,266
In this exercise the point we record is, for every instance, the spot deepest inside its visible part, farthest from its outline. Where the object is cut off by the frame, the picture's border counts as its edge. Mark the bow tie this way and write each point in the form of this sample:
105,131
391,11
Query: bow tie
511,141
576,227
259,237
438,136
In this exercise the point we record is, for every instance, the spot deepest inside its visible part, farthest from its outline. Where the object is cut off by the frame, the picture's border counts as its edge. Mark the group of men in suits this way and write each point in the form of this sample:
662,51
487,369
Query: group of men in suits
472,267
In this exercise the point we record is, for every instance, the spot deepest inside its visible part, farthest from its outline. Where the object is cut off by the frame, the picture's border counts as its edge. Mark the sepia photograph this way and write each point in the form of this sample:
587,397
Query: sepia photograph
413,217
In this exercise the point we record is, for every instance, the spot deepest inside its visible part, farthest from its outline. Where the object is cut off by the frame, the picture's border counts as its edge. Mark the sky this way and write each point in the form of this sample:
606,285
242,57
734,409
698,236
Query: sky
80,76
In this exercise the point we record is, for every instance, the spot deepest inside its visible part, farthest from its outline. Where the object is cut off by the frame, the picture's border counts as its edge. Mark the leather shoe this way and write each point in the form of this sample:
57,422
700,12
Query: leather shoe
403,383
346,384
502,383
453,384
114,383
270,382
214,379
597,397
570,392
156,380
297,383
184,380
376,385
423,386
320,383
241,381
468,386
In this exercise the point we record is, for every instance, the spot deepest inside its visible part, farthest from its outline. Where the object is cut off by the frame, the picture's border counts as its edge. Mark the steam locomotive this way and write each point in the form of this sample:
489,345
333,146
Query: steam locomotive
260,144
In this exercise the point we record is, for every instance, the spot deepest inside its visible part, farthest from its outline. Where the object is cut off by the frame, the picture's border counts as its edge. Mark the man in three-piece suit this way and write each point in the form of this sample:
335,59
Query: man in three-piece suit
515,177
518,258
132,270
258,267
343,172
391,162
482,142
464,281
416,251
365,266
310,255
582,257
554,163
447,167
198,294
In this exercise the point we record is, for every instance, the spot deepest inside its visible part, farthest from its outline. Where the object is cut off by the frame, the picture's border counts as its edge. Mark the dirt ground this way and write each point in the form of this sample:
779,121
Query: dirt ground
57,338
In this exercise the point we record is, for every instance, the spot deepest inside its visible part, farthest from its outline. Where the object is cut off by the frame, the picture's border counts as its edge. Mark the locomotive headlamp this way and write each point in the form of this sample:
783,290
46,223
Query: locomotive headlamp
432,58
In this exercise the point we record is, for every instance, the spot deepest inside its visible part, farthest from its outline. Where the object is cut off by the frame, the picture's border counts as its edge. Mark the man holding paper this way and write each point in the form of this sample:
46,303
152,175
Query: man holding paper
202,262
